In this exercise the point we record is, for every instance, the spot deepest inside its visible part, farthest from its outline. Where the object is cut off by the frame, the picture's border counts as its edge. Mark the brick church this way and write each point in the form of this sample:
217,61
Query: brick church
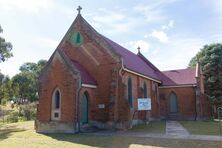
92,81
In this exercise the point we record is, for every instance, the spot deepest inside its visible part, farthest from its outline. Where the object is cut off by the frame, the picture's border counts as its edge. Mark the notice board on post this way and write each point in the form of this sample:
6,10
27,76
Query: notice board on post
144,104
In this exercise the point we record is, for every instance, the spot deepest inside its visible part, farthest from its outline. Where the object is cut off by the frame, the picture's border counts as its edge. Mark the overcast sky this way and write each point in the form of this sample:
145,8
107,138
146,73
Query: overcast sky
169,32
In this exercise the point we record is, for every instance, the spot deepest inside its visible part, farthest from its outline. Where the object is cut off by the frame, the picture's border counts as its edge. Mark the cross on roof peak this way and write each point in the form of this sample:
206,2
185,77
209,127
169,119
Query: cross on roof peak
79,9
138,48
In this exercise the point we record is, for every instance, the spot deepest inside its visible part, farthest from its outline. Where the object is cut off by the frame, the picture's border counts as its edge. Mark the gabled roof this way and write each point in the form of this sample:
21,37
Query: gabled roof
85,76
134,62
131,61
179,77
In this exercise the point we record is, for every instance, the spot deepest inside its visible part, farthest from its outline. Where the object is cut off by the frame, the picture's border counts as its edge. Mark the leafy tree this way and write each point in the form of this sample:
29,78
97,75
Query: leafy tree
193,61
28,67
33,67
5,87
25,83
1,88
210,59
5,48
24,86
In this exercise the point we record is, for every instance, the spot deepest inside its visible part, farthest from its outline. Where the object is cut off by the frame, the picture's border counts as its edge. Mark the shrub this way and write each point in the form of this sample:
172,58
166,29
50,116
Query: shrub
4,101
28,111
13,116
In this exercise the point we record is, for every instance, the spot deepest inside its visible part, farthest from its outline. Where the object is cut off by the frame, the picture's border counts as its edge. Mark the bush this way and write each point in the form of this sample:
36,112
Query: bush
13,116
3,102
28,111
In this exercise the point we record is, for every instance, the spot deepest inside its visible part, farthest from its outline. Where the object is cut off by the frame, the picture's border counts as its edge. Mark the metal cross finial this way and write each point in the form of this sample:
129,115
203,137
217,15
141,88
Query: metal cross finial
79,9
138,48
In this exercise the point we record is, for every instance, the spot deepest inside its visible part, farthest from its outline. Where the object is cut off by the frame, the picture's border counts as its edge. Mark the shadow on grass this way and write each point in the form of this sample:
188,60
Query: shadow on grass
152,127
93,140
6,132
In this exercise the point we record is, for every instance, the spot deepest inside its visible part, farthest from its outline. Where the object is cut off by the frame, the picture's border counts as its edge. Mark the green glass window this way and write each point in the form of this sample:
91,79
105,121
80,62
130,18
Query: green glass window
76,38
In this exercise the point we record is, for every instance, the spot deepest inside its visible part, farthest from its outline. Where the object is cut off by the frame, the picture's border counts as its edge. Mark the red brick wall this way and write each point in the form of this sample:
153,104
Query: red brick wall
100,71
137,85
185,100
95,113
57,76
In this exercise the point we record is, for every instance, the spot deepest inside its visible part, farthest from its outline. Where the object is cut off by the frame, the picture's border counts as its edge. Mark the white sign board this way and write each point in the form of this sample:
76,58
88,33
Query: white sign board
144,104
101,105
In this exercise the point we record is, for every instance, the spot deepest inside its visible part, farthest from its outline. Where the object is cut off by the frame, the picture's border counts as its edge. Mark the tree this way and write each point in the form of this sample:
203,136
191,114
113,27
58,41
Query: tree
5,48
5,87
210,59
193,61
24,86
25,83
33,67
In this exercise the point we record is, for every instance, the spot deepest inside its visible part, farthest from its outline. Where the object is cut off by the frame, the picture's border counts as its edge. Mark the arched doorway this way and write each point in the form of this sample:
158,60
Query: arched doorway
84,108
173,103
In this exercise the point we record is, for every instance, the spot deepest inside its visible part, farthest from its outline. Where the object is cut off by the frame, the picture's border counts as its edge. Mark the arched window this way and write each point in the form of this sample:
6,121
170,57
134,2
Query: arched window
130,94
78,38
173,102
57,99
144,90
56,105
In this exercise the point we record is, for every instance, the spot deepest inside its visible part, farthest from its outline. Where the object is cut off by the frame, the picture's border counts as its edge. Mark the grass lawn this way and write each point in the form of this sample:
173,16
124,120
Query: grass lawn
22,135
202,127
152,127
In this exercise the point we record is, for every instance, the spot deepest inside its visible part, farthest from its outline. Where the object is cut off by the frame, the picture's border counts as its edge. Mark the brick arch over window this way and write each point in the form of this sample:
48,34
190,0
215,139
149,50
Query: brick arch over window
173,101
130,92
56,105
145,90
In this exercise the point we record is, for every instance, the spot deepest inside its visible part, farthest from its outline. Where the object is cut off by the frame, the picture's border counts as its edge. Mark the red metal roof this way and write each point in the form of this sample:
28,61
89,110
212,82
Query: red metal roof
179,77
85,76
134,62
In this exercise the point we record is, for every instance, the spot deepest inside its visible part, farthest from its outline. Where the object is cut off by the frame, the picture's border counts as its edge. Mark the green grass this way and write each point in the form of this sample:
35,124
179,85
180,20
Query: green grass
202,127
152,127
22,134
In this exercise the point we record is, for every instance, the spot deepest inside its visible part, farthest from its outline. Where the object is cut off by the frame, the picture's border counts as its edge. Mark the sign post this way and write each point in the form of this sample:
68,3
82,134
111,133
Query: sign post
144,104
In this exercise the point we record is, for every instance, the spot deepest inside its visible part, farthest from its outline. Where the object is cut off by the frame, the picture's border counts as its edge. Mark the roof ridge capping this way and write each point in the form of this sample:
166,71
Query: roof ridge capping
176,70
147,61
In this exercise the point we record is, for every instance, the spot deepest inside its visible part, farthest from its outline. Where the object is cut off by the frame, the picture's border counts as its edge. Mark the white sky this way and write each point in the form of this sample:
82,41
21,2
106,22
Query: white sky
169,32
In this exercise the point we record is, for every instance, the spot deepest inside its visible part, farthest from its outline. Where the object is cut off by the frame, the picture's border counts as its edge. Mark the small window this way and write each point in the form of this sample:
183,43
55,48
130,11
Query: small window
130,94
144,90
56,115
76,38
